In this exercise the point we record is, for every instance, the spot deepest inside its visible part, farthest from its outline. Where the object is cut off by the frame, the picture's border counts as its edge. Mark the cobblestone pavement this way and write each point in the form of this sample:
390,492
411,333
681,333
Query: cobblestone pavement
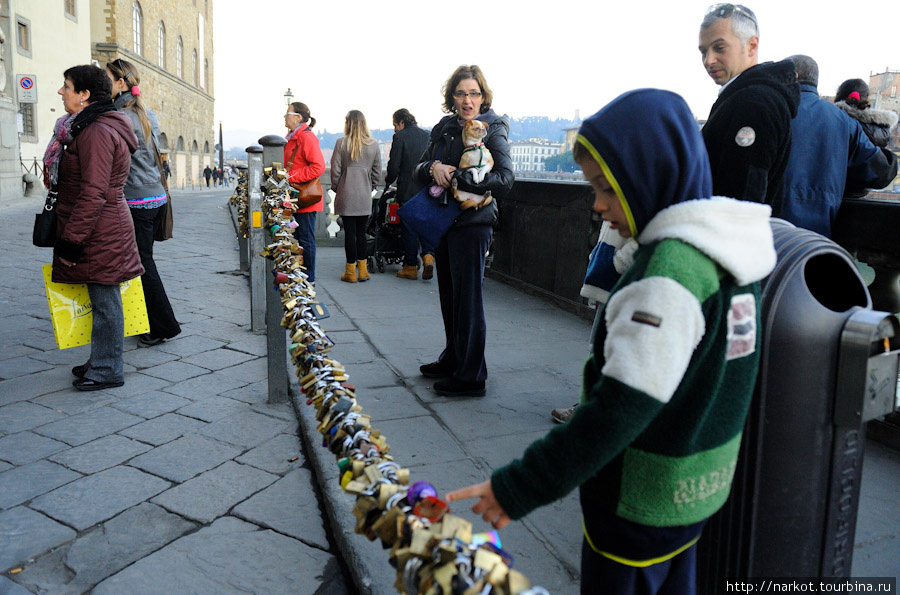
182,481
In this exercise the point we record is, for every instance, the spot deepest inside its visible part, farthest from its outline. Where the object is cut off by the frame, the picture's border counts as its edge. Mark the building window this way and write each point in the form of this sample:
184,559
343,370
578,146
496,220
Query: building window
194,67
893,91
206,74
23,36
179,58
137,22
161,34
71,6
29,132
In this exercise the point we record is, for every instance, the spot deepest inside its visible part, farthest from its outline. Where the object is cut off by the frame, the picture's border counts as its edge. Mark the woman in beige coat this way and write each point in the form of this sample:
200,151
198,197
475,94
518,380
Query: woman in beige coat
355,171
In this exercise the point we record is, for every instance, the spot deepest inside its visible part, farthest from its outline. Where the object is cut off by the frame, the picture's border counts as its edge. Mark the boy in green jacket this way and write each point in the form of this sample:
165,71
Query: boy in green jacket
653,445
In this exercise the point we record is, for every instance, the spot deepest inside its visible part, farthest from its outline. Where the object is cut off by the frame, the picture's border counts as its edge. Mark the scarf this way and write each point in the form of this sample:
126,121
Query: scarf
62,136
64,132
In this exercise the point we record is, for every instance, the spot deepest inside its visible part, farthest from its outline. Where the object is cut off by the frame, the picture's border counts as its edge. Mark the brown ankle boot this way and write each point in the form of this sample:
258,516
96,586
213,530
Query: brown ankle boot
409,272
427,266
363,274
349,273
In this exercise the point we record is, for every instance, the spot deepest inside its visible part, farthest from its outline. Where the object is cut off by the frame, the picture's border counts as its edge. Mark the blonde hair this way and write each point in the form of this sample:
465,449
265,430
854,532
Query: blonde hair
122,69
357,133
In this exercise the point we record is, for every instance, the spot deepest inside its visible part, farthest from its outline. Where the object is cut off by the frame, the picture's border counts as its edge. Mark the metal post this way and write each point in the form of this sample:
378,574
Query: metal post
258,267
276,342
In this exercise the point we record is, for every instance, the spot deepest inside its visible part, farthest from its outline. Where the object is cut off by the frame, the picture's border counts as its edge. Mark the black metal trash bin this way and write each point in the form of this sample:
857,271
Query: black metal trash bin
828,364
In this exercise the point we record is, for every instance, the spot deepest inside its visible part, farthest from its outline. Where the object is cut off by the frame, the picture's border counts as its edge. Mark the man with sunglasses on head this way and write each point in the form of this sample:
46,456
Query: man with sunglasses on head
748,132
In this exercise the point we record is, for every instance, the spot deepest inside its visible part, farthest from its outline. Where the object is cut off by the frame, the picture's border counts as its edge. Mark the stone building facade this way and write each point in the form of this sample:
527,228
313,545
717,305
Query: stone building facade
171,42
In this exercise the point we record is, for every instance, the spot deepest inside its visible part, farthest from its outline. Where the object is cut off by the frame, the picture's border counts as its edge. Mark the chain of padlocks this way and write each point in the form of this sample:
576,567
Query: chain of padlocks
240,200
433,551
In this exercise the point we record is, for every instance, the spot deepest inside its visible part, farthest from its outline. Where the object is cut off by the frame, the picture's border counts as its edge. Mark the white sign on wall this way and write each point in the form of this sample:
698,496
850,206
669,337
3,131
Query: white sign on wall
26,88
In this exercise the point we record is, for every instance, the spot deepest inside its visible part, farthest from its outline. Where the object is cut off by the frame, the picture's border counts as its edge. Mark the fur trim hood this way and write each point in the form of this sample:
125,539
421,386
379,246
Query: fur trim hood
884,118
734,233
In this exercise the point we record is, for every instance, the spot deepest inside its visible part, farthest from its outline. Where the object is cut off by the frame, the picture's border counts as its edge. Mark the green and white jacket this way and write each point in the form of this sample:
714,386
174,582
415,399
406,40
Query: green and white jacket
668,385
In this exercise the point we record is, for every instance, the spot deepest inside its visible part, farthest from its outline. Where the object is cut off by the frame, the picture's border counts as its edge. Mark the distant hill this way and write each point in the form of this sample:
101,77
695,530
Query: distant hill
520,129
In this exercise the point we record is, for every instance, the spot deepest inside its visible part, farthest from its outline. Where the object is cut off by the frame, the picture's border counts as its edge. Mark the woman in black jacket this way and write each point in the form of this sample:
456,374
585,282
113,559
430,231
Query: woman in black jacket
460,255
853,97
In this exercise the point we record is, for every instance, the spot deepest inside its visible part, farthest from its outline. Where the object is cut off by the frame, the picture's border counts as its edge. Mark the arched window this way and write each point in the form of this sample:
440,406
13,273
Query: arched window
194,67
137,22
163,141
194,147
179,58
179,144
206,147
161,43
206,74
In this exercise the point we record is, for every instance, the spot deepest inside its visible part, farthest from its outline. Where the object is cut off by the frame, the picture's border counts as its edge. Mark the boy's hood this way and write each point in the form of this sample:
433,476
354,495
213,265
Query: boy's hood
734,233
649,143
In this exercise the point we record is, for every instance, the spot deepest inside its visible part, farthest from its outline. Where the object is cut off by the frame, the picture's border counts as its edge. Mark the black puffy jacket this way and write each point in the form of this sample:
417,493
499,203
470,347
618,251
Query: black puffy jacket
448,134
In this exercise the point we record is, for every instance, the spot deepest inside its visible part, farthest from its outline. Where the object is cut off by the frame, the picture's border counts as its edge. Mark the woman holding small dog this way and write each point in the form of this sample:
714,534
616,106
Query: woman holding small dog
460,255
355,171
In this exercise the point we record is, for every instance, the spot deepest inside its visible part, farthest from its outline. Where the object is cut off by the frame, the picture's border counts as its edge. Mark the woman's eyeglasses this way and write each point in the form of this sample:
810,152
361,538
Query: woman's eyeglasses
463,94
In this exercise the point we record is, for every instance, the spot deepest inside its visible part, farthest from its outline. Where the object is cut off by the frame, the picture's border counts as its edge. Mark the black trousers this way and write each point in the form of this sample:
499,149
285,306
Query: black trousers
159,310
460,273
355,237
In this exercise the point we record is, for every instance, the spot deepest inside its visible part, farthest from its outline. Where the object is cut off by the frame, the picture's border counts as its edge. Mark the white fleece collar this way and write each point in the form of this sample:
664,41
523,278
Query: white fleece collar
734,233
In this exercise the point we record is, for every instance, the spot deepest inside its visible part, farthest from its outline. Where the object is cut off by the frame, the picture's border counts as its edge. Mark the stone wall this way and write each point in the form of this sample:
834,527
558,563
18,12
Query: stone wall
184,109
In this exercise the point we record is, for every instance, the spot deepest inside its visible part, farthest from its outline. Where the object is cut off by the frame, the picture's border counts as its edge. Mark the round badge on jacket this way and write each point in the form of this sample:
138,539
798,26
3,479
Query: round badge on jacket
745,137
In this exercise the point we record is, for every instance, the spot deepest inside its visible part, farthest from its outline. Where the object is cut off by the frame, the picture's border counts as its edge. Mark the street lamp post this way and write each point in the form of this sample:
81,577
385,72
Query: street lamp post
288,97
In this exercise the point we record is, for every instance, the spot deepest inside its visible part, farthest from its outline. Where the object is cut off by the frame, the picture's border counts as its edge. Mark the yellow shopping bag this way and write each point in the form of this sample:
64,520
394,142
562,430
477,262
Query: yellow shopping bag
70,310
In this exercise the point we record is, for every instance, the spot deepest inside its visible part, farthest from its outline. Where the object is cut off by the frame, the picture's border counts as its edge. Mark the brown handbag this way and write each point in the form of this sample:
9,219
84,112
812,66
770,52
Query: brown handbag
305,194
167,222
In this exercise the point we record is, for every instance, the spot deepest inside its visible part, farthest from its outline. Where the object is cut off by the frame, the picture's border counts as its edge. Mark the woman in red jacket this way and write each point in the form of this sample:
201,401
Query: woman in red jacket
88,159
304,161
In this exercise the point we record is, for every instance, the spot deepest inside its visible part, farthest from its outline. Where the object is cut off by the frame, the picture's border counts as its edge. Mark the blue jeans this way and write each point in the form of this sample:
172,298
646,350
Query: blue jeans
305,235
107,334
411,243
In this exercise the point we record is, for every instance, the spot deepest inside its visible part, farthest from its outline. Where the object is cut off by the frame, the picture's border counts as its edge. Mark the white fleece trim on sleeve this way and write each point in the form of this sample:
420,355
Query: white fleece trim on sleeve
653,327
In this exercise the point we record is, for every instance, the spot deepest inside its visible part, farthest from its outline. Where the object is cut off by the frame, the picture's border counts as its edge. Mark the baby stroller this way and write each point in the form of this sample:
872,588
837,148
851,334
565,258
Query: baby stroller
383,231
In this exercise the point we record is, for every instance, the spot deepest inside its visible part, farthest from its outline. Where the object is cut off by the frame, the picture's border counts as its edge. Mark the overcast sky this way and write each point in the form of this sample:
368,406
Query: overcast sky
541,58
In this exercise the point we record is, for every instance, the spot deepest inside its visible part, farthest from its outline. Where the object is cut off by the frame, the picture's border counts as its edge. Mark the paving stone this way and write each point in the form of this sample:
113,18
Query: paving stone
100,454
150,405
189,345
258,561
147,358
25,415
283,411
139,383
21,484
85,427
7,587
25,533
21,366
27,447
214,493
420,441
275,455
218,359
254,345
395,402
186,457
12,351
105,550
249,371
201,387
165,428
258,392
72,402
175,371
288,506
96,498
247,429
4,466
213,408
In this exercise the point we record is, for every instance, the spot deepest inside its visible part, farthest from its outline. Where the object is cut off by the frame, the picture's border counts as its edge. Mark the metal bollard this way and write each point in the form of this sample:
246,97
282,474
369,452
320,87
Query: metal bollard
276,342
258,265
